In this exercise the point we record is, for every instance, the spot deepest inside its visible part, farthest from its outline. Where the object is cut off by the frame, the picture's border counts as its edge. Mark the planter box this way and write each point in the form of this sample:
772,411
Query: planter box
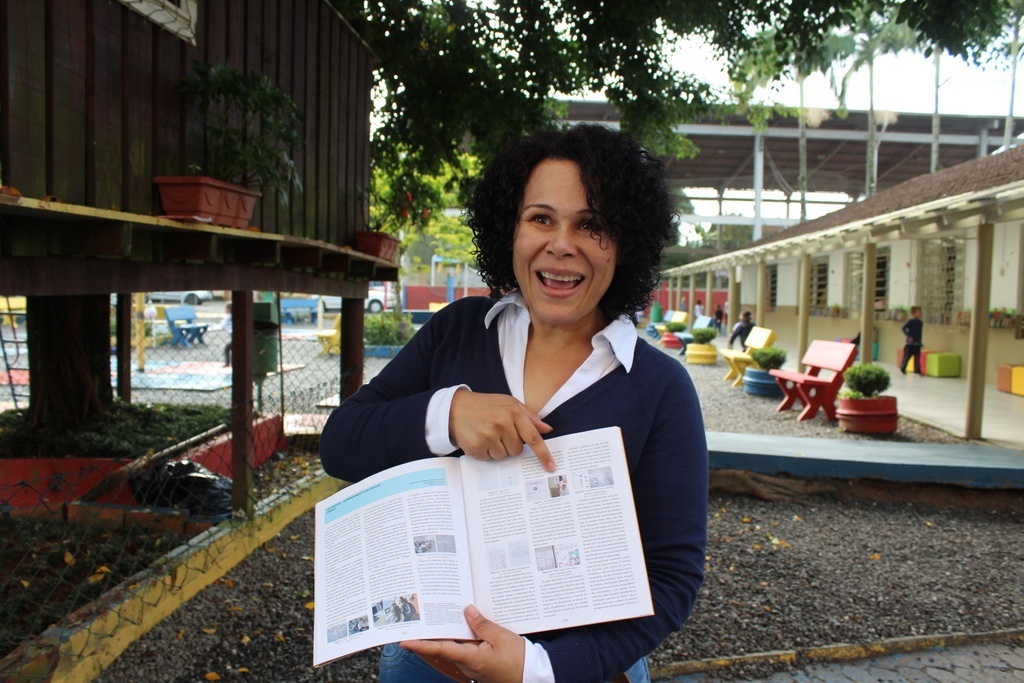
876,415
758,382
381,351
379,244
52,482
201,199
702,354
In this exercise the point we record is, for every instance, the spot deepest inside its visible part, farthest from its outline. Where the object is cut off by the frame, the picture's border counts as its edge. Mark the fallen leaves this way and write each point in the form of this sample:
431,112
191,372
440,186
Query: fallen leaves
98,575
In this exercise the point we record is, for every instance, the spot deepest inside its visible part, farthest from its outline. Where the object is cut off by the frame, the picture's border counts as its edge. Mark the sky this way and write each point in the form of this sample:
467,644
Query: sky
903,83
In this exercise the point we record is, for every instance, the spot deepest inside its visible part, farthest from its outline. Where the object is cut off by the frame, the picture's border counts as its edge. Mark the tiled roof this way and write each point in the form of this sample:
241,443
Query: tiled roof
988,172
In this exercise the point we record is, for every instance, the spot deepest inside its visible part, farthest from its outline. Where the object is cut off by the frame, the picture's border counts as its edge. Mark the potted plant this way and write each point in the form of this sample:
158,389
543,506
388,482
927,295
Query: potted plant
701,351
757,381
861,407
250,127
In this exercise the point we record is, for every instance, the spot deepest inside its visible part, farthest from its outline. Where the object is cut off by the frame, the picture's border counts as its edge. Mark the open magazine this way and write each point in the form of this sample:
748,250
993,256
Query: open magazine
400,554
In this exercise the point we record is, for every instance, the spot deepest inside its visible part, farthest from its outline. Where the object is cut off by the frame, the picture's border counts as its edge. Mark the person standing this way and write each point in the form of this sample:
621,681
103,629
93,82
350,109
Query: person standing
913,330
569,228
742,329
225,324
719,317
698,309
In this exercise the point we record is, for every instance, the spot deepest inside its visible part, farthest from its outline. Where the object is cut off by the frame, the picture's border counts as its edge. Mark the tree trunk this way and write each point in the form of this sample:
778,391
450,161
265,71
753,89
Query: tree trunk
69,360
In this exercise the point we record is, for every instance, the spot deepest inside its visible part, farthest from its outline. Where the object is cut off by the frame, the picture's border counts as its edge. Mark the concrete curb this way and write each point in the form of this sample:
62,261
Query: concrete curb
77,649
842,652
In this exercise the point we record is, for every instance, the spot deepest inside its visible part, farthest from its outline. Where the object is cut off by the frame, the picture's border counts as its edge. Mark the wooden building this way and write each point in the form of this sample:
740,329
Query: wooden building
91,112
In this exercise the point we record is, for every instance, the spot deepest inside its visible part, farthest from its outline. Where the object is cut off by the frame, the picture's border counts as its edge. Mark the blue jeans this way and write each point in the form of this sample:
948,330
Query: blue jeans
401,666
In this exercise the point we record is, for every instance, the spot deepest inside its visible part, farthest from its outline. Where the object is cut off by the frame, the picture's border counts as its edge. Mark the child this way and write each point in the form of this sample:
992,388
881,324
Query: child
225,324
913,329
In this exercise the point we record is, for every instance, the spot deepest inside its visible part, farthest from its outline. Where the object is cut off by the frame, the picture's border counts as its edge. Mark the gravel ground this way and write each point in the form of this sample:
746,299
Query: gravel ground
858,565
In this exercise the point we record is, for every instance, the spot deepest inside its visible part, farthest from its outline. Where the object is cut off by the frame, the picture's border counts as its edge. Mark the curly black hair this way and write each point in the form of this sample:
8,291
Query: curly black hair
625,188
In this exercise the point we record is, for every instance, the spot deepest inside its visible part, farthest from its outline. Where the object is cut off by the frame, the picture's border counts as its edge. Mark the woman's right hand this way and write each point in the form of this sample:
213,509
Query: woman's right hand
496,426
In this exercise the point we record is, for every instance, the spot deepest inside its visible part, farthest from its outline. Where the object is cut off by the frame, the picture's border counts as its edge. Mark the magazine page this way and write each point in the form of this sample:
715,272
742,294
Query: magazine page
553,550
391,560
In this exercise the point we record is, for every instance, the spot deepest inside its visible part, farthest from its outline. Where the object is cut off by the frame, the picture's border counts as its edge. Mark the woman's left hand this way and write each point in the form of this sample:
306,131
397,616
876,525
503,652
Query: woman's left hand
496,658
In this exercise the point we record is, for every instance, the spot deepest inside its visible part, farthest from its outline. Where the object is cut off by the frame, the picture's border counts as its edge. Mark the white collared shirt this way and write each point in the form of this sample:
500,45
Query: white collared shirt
613,346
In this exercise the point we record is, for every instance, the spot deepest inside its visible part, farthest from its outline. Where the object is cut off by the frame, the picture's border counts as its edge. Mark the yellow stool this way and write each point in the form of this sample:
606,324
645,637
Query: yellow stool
1017,380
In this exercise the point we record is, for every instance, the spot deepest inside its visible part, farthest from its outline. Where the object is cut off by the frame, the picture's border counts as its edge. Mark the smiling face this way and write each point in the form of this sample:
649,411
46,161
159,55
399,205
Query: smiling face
563,271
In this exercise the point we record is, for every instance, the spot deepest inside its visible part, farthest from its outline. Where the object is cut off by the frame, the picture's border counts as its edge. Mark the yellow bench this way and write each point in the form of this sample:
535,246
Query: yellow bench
12,308
330,340
738,361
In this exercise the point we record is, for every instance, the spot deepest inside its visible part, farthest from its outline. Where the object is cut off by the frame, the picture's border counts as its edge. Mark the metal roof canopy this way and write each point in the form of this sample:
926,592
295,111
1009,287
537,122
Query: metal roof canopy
835,149
949,215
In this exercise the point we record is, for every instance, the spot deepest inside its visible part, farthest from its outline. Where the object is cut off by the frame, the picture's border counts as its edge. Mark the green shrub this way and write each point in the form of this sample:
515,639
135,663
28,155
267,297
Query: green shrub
675,327
865,381
125,430
388,329
769,358
704,335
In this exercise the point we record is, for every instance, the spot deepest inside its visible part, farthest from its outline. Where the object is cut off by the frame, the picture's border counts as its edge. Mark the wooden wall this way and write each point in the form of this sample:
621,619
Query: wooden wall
90,109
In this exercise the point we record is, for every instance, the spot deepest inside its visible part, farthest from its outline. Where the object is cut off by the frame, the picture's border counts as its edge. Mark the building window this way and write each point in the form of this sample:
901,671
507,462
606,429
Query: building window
941,280
773,286
819,284
177,16
855,281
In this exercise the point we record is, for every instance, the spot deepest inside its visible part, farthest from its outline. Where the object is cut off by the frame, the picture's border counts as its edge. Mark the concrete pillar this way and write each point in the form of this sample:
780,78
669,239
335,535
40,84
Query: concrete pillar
733,312
709,293
978,346
803,308
867,302
691,293
761,308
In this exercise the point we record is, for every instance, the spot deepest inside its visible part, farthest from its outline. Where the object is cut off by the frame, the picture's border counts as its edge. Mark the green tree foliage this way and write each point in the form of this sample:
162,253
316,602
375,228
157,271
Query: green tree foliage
460,76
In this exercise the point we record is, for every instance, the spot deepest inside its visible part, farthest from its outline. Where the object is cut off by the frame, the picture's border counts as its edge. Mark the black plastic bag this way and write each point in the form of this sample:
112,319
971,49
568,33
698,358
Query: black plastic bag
185,485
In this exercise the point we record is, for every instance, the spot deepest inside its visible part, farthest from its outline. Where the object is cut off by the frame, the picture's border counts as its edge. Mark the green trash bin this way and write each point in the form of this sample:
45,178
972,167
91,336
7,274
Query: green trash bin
656,312
265,343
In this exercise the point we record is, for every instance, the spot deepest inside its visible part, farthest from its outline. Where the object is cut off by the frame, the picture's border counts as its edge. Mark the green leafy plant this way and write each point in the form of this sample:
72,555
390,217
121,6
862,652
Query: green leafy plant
704,335
388,329
126,430
675,327
769,358
250,127
865,381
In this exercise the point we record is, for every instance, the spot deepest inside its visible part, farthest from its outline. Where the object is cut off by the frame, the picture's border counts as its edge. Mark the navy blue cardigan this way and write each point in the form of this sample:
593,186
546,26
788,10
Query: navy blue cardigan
654,404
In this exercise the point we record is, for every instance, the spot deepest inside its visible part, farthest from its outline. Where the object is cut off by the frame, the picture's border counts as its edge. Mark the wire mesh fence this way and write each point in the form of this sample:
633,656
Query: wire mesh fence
91,544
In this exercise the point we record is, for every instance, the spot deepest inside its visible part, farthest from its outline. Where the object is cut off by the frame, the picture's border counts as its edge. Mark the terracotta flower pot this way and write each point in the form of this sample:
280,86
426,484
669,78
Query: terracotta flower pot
876,415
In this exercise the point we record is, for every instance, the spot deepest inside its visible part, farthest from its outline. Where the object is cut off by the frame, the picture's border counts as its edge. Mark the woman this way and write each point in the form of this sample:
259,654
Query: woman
569,228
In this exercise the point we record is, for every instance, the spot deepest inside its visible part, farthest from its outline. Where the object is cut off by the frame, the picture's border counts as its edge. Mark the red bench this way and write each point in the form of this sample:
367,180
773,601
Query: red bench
810,387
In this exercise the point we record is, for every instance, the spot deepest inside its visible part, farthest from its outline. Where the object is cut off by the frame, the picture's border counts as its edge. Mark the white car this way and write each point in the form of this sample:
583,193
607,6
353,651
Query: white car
376,301
193,297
